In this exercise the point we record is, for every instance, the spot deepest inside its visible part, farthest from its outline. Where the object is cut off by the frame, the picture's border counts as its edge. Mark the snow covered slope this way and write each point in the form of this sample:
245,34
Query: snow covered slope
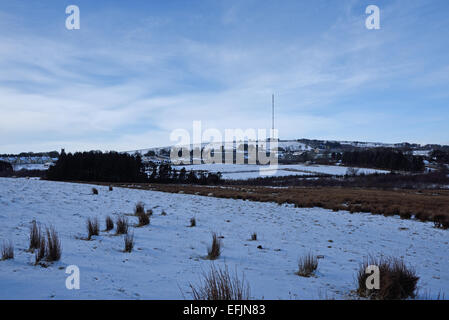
252,171
168,255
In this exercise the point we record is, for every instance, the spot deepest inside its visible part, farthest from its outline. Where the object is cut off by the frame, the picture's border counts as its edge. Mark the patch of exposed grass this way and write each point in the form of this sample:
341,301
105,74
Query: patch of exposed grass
396,280
93,227
129,242
144,219
35,236
53,246
109,223
7,250
121,225
307,265
214,251
218,284
139,209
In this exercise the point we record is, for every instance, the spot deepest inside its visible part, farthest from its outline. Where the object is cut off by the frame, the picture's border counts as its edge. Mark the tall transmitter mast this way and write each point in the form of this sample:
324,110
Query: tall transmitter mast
272,118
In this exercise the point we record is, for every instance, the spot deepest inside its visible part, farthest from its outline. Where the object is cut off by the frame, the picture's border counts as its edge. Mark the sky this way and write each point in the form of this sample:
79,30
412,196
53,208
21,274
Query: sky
137,70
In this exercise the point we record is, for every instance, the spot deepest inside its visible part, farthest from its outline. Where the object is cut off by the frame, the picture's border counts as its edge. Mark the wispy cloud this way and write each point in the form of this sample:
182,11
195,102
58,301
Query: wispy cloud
128,85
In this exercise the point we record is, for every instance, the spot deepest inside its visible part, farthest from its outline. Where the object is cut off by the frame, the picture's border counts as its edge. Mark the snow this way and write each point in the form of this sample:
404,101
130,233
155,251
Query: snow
251,171
30,166
168,255
425,153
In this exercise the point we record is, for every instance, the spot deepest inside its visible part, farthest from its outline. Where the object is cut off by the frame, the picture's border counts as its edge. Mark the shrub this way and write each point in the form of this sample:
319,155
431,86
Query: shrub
218,284
254,236
111,188
93,228
192,222
94,191
397,281
139,209
7,250
214,251
129,242
109,223
121,225
54,249
307,265
35,236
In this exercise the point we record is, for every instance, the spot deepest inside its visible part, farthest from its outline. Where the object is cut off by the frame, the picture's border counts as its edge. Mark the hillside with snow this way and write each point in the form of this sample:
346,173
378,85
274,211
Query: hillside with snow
169,255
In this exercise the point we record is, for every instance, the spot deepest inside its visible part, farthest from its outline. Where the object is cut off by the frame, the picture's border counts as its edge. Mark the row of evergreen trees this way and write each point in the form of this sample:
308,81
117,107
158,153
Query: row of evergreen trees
440,156
121,167
165,173
383,158
5,167
98,166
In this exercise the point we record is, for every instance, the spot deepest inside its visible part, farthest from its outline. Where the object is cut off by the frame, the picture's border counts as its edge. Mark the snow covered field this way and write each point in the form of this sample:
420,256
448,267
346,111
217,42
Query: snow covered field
168,255
251,171
30,166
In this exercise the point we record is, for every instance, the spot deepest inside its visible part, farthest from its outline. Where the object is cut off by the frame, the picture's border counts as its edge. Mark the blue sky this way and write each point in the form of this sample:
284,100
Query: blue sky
136,70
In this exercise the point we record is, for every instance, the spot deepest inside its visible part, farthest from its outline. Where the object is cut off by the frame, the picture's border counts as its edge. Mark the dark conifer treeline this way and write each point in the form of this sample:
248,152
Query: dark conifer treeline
164,173
440,156
98,166
122,167
383,158
5,166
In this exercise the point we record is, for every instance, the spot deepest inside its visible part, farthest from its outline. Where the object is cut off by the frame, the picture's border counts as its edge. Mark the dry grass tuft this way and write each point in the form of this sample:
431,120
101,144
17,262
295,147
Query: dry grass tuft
397,281
139,209
214,251
54,248
111,188
35,236
144,219
121,225
192,222
307,265
109,223
41,252
254,237
94,191
218,284
7,250
93,227
129,242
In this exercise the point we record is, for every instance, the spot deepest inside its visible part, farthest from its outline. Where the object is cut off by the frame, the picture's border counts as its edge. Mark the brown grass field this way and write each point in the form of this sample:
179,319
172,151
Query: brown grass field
425,205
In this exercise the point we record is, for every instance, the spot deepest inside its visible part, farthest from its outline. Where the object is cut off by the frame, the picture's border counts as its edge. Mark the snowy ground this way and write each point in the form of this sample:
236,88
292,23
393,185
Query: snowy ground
30,166
250,171
168,255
